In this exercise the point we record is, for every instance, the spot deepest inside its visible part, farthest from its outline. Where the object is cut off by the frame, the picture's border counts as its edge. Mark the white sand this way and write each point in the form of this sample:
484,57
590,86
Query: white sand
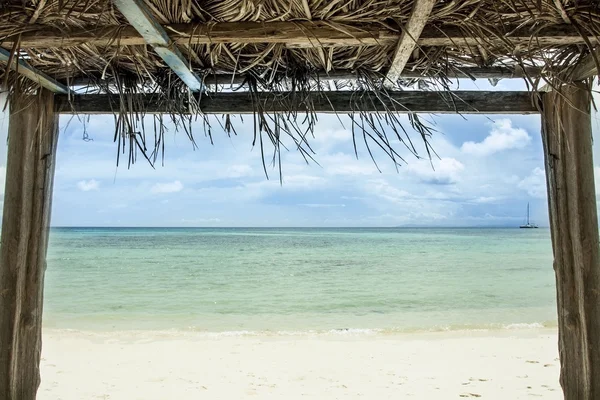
519,364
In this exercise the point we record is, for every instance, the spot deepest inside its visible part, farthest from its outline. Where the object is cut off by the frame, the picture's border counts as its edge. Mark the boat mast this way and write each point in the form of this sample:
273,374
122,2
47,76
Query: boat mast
527,213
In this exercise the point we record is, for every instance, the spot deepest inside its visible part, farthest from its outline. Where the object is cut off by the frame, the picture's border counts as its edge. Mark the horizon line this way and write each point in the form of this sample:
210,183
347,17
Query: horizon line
301,227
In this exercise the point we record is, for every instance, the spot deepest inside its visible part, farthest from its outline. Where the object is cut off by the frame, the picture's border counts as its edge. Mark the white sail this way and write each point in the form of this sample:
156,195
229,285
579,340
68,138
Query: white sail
528,224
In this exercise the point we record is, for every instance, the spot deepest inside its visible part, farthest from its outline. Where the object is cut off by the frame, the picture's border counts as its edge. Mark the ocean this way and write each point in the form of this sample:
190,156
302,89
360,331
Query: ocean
285,281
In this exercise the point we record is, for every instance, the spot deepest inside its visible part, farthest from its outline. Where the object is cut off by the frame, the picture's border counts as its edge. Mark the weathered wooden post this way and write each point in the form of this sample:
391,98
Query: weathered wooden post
567,137
32,139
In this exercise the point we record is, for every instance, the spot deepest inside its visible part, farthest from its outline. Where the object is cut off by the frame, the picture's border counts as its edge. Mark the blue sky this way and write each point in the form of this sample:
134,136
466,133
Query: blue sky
489,168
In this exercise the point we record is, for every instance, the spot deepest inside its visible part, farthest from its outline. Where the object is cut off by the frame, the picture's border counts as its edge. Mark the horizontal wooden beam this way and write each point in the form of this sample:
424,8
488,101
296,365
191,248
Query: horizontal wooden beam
141,18
23,68
293,34
468,102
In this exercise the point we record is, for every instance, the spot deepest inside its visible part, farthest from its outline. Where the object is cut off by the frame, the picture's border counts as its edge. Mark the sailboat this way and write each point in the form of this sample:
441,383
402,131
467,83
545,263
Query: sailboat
528,225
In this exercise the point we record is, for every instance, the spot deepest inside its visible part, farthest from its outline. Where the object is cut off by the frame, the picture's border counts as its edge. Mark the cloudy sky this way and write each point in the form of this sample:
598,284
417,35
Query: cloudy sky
488,168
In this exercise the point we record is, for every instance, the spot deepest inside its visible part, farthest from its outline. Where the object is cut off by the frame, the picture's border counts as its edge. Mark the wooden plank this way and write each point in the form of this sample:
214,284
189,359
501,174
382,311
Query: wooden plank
141,18
467,102
32,138
587,68
297,34
567,139
33,74
408,40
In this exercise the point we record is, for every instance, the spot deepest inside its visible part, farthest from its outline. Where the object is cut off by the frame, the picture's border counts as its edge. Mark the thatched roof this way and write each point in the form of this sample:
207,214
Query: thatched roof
297,45
490,22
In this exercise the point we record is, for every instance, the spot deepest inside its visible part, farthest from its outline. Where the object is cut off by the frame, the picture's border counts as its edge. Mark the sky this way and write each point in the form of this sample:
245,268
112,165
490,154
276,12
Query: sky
489,168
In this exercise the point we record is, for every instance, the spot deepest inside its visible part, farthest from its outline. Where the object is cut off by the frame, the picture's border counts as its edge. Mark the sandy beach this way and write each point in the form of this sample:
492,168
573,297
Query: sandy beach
509,364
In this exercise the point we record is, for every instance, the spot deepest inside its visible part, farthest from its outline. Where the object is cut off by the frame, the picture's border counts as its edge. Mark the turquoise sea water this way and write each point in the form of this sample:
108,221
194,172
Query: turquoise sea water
297,280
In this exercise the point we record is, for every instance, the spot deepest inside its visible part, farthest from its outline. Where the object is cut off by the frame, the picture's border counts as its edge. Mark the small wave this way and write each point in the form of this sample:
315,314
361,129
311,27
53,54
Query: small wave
355,331
310,332
233,333
535,325
350,332
379,331
486,327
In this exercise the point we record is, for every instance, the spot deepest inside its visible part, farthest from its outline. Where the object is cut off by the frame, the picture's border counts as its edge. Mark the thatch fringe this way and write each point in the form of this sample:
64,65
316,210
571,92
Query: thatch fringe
128,70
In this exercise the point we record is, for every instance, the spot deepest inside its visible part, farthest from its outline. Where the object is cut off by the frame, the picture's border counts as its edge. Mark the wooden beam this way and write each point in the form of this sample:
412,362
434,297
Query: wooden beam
297,34
467,102
32,138
567,139
23,68
408,40
587,68
141,18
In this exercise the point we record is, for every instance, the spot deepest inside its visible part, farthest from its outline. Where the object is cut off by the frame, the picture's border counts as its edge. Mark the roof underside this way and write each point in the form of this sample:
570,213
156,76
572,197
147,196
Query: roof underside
92,41
350,56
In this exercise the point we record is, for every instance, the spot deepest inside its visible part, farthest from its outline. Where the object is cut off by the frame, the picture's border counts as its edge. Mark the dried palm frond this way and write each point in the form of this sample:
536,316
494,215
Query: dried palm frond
130,70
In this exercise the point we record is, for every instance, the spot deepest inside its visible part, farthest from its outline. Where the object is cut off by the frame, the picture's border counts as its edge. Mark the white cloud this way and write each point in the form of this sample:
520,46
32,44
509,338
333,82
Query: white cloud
381,188
347,165
443,172
331,136
352,170
86,186
170,187
321,205
486,200
502,137
535,183
239,171
301,181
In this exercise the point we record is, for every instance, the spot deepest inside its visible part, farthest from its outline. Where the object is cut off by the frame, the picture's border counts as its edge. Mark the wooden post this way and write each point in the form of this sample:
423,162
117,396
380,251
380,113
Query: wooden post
32,138
567,137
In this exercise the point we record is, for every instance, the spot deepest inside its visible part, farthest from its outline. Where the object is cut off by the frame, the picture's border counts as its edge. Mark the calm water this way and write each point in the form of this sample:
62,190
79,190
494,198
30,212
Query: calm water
294,280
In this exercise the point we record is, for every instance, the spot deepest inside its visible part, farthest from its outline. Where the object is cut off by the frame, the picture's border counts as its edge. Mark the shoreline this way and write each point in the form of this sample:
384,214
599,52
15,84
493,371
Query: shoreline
497,331
516,364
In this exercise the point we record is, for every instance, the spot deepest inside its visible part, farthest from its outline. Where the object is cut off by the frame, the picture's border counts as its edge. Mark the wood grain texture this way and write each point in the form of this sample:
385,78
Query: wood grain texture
408,40
33,134
296,34
142,19
468,102
567,138
22,67
588,67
